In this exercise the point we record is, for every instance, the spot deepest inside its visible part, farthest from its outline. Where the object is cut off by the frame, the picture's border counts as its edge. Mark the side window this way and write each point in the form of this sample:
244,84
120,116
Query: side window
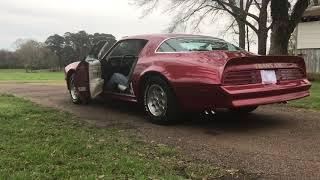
106,48
171,45
165,47
128,47
185,44
96,49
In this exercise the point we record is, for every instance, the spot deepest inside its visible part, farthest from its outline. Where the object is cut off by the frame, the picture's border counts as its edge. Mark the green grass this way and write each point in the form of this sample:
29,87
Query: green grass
19,75
311,102
43,143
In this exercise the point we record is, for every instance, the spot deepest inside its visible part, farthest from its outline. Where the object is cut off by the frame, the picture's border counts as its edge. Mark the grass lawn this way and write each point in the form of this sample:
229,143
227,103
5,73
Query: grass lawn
311,102
19,75
43,143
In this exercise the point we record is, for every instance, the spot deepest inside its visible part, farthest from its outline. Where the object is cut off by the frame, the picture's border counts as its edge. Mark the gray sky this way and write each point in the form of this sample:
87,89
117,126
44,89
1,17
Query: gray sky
37,19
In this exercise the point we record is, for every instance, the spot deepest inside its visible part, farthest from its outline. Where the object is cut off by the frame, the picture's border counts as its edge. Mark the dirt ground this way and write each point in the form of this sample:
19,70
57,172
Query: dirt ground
273,142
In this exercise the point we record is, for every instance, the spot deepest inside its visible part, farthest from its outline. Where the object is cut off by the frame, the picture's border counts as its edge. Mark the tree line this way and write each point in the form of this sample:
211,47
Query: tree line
260,16
280,17
56,52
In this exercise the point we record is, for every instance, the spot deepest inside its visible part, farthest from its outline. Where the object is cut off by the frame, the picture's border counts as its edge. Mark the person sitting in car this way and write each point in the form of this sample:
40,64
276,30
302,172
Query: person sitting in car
117,82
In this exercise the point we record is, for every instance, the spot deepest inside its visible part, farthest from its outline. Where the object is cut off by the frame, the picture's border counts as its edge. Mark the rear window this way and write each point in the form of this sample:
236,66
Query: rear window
185,44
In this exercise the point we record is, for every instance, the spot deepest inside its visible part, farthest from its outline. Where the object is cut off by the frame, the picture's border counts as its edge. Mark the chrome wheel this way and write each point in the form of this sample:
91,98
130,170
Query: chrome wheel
73,90
156,100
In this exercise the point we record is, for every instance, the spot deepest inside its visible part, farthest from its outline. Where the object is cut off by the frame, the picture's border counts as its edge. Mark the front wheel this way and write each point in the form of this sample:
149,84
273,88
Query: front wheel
243,110
75,98
160,102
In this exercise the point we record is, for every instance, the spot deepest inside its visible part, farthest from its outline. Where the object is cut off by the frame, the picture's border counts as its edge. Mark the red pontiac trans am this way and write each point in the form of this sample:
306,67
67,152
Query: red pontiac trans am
174,73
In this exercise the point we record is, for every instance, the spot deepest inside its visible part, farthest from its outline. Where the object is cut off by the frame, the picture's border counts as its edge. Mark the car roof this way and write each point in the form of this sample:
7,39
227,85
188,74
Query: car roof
165,36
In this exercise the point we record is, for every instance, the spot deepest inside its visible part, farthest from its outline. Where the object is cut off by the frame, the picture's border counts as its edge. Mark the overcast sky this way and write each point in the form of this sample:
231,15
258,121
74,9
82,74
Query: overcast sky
37,19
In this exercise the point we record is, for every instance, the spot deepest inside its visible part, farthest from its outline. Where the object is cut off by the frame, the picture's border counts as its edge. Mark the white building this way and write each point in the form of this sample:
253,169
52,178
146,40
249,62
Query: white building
308,39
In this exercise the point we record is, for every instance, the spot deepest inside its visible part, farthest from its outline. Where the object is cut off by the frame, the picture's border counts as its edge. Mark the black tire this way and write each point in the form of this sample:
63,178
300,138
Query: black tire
72,90
243,110
172,111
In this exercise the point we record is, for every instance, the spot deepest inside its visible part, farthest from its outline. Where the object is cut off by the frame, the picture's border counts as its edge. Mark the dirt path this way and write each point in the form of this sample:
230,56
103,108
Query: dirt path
275,141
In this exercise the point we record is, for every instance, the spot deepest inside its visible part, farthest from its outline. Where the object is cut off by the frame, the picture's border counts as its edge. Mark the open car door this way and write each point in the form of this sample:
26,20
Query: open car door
88,77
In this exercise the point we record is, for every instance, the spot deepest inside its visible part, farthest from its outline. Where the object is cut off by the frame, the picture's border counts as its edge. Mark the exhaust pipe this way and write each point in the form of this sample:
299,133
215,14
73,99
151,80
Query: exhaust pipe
207,112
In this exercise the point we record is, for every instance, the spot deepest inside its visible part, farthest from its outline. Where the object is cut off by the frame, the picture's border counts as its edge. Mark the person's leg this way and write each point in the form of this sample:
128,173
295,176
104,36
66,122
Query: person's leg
115,80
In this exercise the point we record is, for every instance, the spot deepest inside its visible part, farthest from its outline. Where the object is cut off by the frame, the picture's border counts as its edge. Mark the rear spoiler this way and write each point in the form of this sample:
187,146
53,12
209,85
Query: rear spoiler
267,62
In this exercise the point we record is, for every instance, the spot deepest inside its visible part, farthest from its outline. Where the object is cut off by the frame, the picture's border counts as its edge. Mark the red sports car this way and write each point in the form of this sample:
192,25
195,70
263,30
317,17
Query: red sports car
174,73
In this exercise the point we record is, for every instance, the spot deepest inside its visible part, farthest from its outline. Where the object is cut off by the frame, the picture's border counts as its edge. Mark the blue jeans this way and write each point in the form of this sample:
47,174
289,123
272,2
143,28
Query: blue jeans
116,79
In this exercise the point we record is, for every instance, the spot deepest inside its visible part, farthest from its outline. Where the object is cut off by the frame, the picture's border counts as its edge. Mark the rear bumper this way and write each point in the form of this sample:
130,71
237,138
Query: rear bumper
203,97
254,95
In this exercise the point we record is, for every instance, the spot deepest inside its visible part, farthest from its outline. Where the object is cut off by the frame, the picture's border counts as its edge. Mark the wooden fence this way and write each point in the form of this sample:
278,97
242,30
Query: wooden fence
312,59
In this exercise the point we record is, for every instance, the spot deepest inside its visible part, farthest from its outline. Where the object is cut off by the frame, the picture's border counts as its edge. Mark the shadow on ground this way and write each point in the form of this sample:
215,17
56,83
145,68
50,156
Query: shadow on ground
213,124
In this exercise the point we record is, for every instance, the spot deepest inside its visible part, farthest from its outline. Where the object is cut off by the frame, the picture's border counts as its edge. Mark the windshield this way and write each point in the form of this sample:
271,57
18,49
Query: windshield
184,44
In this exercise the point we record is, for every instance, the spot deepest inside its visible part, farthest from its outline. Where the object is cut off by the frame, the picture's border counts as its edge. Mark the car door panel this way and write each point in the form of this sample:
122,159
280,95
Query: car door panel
95,78
82,81
96,81
89,81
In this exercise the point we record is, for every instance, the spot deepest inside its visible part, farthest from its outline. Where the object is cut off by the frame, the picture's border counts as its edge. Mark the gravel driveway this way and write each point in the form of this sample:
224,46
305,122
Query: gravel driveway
274,142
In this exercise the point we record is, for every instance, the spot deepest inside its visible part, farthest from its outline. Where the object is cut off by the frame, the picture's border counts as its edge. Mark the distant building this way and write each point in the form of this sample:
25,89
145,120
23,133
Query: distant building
308,39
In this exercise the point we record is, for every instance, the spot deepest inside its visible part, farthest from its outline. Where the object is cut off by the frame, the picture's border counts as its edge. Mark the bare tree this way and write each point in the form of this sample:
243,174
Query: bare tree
243,16
250,13
34,55
8,60
284,22
315,2
239,10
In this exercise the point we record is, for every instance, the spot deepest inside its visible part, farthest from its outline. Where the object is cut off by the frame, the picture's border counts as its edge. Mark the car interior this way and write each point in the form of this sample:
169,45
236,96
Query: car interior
121,59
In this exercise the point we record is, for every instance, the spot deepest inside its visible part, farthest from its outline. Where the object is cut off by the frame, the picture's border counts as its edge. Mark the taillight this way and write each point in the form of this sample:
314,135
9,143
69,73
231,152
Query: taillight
290,74
242,77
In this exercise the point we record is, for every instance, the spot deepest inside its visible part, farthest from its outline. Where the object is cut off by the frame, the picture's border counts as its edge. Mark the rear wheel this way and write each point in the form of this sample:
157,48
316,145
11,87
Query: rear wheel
243,110
160,102
75,98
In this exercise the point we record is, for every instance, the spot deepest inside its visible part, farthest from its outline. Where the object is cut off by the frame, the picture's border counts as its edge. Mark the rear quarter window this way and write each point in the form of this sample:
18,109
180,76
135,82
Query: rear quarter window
186,44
